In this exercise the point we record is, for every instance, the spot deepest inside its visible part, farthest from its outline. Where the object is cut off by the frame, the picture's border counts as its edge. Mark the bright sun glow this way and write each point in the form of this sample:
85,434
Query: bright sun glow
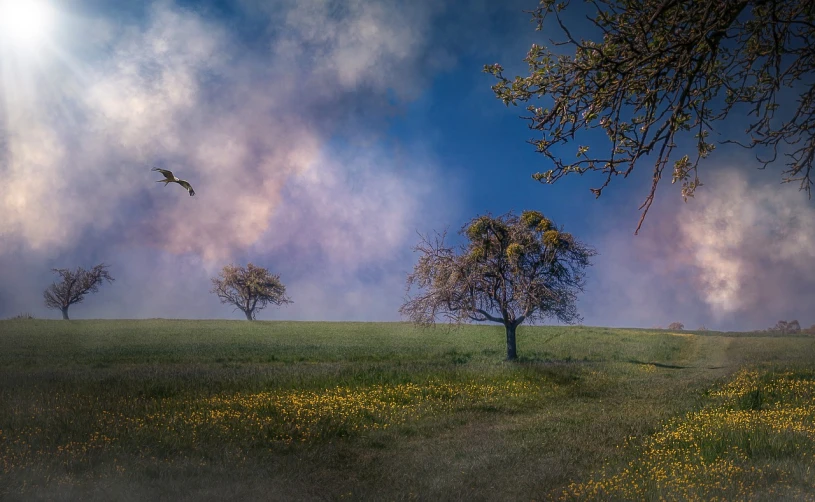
24,22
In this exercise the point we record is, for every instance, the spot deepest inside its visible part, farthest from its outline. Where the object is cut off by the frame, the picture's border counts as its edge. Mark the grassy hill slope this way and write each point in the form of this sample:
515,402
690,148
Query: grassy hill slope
191,410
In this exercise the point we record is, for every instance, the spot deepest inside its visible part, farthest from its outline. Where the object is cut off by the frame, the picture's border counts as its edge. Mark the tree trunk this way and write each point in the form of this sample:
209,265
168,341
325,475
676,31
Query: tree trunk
248,315
64,313
512,353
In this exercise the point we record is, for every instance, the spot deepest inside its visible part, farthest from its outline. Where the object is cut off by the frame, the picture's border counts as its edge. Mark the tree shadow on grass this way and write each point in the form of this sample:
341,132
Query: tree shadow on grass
674,366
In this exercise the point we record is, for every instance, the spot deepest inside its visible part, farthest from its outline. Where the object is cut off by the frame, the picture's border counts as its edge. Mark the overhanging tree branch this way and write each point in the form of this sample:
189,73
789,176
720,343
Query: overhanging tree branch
664,69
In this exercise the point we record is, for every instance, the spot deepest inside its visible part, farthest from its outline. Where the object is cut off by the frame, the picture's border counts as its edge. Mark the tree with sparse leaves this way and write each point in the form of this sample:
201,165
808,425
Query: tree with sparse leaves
667,70
677,326
249,289
513,269
74,286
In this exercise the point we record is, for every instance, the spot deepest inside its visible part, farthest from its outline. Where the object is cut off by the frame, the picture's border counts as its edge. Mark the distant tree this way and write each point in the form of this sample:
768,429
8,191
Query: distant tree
74,286
676,326
786,327
249,289
780,327
513,269
701,328
667,69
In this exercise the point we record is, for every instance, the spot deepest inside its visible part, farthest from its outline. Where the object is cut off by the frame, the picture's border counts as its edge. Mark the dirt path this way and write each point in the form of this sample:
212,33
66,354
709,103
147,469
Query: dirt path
712,352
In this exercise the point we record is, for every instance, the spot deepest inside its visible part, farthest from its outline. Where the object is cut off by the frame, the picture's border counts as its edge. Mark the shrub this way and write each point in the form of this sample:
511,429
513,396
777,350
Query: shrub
676,326
24,315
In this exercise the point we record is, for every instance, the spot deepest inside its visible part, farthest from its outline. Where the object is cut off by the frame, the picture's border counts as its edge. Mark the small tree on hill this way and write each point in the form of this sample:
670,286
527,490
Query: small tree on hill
250,289
74,286
513,269
676,326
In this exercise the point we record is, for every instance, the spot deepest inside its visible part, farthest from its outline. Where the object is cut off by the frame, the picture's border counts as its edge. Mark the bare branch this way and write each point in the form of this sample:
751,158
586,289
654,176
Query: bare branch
75,285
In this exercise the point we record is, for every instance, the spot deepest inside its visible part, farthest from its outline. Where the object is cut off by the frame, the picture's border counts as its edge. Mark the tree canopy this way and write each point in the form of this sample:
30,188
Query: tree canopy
74,286
513,269
249,289
666,71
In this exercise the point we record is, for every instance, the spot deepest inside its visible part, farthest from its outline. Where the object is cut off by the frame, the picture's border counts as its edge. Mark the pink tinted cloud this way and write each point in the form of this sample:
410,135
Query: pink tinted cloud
248,131
736,257
239,141
754,246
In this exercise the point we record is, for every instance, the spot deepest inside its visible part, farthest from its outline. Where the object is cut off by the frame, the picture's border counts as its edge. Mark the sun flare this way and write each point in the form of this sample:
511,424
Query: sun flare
25,22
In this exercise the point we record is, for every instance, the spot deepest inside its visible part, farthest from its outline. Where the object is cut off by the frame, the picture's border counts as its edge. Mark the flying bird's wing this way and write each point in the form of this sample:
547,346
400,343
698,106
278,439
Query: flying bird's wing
167,174
187,186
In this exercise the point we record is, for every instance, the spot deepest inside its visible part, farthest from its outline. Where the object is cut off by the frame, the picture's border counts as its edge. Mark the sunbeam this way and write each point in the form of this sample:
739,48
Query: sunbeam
25,23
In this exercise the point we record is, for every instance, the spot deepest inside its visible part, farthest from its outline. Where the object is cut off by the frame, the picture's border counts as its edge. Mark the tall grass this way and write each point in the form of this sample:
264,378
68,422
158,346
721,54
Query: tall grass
755,439
166,409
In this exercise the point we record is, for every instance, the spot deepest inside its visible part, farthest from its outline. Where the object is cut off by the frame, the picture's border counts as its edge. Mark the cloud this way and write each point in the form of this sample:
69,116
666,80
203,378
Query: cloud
753,247
178,93
736,257
264,138
357,208
356,43
643,280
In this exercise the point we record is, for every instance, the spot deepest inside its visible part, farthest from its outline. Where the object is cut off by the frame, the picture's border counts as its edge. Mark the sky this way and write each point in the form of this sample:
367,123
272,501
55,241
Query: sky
321,137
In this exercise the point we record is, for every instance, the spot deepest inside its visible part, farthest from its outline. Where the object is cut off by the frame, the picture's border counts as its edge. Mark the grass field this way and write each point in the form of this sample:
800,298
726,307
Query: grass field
213,410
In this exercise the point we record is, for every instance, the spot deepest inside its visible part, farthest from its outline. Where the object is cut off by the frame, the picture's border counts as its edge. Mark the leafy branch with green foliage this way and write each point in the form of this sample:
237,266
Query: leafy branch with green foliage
513,269
667,70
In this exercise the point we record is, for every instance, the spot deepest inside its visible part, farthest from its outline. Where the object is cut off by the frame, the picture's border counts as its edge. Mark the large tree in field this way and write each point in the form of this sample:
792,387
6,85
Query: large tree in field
74,286
249,289
668,70
513,269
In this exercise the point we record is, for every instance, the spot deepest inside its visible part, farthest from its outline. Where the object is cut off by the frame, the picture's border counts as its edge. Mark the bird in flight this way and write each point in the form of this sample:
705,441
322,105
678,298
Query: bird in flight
169,178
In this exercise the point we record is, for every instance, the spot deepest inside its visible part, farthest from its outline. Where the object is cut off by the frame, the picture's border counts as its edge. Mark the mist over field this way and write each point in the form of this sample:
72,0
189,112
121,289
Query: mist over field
736,257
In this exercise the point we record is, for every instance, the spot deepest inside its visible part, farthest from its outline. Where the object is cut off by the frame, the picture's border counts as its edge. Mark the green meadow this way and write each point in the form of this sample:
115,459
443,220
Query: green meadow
215,410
